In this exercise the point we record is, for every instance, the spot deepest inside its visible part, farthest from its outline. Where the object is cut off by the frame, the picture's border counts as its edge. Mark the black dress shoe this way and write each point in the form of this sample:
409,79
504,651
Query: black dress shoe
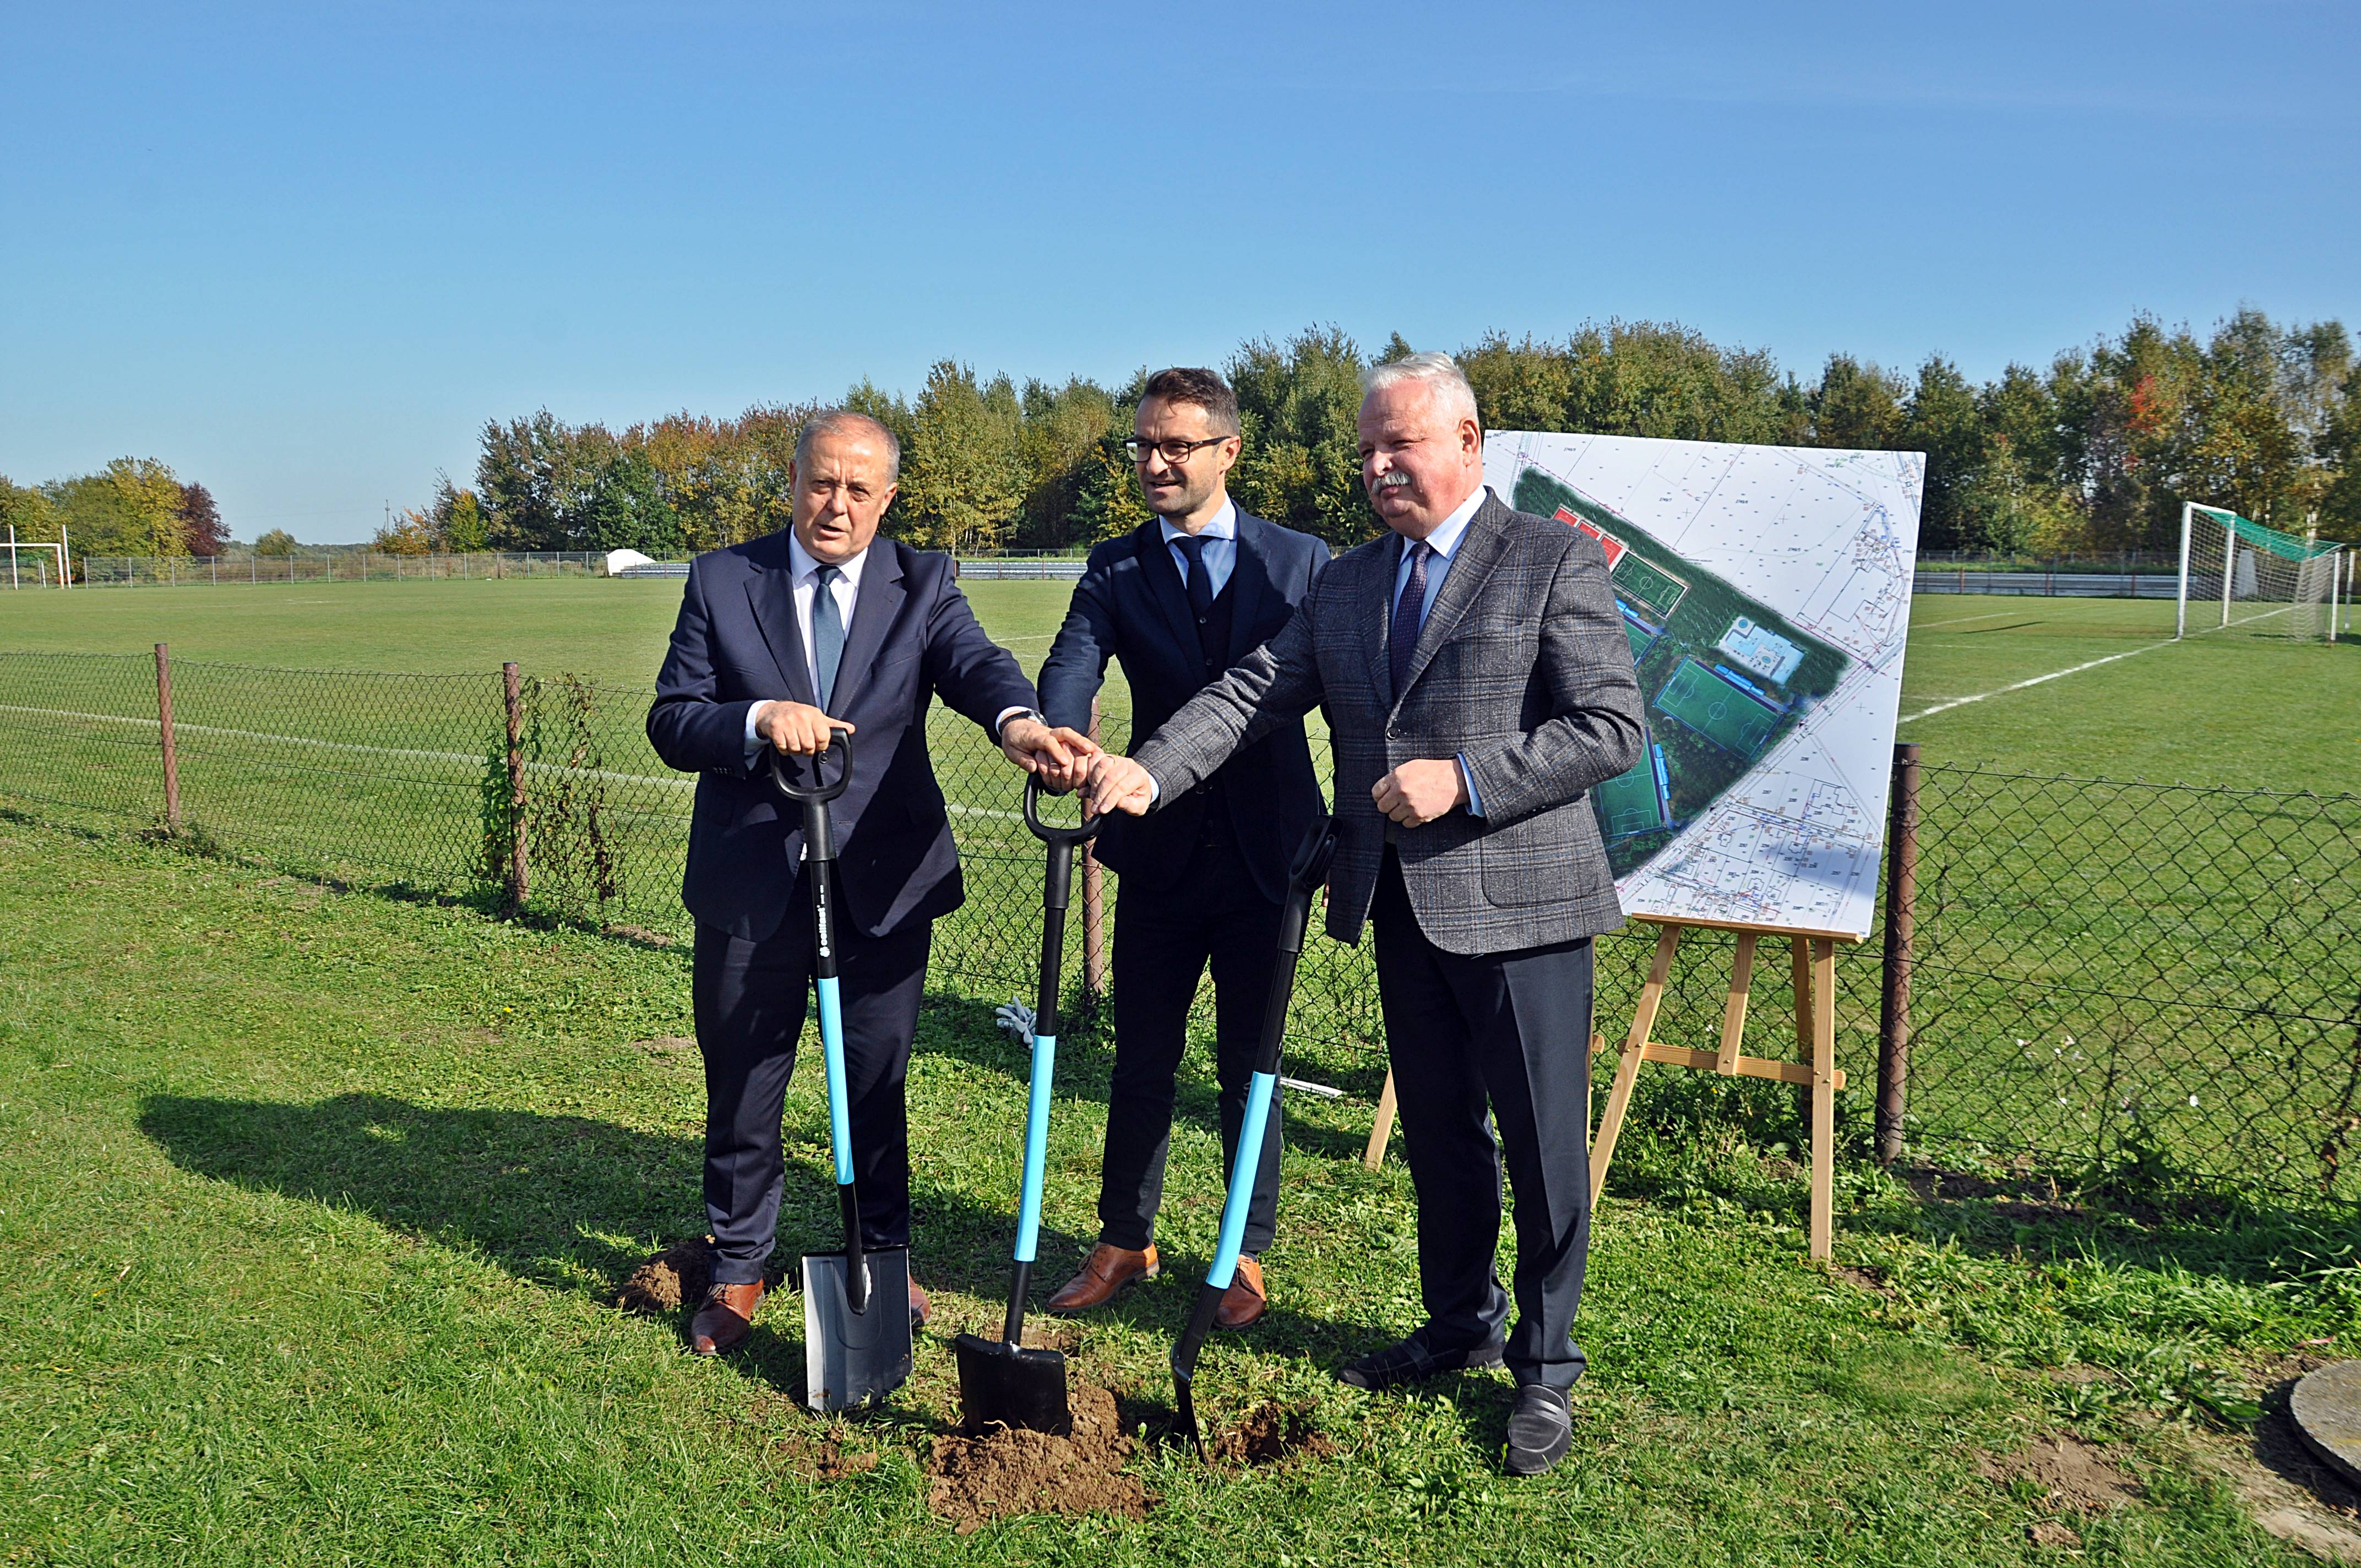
1540,1429
1412,1360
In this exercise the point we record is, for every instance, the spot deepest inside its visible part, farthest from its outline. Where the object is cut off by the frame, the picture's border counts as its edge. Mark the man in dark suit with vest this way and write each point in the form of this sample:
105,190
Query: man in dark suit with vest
780,642
1478,683
1177,601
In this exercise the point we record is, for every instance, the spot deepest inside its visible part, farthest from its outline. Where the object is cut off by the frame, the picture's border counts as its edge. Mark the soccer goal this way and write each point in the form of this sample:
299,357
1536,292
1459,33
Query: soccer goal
2236,575
32,565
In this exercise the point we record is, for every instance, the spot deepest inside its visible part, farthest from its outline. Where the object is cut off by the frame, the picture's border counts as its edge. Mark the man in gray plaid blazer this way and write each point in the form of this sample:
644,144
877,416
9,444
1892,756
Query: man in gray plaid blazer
1477,682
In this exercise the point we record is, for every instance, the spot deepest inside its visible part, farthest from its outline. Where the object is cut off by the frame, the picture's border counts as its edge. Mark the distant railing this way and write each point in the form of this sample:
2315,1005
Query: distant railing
2045,584
331,567
369,566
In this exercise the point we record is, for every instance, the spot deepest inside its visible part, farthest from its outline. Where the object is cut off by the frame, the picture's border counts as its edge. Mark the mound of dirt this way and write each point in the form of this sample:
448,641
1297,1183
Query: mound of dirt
677,1275
2070,1472
1001,1471
1271,1435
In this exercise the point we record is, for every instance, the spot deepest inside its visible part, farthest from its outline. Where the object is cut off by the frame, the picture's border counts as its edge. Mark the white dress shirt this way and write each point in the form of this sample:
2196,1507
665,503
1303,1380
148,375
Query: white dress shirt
803,580
1220,537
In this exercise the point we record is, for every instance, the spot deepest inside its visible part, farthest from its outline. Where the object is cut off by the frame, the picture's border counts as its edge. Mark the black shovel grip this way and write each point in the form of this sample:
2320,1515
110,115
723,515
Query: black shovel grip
821,790
1049,832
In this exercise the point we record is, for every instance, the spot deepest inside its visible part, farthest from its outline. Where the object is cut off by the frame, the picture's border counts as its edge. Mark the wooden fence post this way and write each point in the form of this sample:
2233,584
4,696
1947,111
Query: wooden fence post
164,721
513,692
1093,906
1901,930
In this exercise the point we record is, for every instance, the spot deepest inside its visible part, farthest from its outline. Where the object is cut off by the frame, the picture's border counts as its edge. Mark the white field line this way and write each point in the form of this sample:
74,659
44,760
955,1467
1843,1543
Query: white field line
667,781
2074,670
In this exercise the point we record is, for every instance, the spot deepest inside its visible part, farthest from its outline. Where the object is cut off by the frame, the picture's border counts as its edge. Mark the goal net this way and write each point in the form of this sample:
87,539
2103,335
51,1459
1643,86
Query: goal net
2238,575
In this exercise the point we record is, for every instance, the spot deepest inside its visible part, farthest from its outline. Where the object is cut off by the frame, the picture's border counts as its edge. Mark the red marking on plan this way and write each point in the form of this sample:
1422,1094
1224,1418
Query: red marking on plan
1607,542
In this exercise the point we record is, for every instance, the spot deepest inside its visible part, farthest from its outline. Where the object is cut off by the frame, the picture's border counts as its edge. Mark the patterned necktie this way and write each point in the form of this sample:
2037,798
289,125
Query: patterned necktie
828,634
1410,614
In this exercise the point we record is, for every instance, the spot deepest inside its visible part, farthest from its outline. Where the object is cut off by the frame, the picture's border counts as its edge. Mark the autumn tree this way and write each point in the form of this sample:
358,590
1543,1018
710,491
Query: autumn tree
201,522
132,507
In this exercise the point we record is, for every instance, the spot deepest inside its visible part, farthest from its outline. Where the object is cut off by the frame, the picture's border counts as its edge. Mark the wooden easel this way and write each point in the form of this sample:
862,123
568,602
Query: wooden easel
1812,966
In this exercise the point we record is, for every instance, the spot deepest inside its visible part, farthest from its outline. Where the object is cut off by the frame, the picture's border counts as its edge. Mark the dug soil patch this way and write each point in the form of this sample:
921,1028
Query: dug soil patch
1271,1435
1002,1470
2070,1472
679,1274
677,1278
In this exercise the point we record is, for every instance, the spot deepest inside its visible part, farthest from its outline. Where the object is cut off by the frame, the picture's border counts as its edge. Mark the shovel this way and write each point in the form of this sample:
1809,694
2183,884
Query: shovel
1006,1383
1304,878
856,1302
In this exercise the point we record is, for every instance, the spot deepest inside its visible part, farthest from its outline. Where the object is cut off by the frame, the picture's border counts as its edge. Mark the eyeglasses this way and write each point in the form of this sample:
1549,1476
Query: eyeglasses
1171,451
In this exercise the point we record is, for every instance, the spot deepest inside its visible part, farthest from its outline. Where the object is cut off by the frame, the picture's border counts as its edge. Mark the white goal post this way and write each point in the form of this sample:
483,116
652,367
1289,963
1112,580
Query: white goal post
48,561
2241,574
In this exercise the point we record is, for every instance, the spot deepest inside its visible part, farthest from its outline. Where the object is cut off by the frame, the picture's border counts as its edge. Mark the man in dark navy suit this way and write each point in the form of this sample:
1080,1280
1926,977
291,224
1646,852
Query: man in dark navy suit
780,642
1177,601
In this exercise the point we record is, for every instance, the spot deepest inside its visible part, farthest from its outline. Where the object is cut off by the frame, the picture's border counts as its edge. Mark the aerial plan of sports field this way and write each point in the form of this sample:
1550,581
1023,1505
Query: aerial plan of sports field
1765,593
1721,676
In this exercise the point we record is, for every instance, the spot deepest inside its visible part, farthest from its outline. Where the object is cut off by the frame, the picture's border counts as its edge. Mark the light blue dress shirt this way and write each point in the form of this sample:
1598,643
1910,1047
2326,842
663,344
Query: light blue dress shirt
1220,537
1445,542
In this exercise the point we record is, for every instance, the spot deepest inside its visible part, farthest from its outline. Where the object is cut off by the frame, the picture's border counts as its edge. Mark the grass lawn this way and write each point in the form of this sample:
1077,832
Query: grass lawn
314,1203
2221,709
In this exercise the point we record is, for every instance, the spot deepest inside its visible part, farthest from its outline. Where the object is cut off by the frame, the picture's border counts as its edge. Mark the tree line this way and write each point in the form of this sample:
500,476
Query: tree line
2094,452
134,506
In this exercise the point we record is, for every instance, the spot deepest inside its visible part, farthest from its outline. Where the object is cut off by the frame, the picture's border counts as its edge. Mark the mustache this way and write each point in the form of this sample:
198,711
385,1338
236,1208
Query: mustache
1394,480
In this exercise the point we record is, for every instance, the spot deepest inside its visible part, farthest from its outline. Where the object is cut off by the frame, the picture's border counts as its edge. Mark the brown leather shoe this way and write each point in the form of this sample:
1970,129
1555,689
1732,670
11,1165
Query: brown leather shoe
726,1317
1106,1274
920,1308
1243,1304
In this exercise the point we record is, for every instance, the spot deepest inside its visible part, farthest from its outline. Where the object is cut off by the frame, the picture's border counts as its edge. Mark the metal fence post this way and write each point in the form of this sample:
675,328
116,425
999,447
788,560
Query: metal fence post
1901,923
1093,906
512,691
164,723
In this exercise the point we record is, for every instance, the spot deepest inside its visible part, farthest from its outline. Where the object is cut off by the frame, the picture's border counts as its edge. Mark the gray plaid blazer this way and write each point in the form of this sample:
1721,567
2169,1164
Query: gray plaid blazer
1522,668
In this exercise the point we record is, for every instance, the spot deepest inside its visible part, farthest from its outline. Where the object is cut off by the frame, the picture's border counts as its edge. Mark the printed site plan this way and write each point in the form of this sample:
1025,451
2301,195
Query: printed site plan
1766,594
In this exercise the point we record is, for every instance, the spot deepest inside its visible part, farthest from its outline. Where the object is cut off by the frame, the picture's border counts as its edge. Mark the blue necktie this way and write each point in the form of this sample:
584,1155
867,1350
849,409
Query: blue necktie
1410,614
828,634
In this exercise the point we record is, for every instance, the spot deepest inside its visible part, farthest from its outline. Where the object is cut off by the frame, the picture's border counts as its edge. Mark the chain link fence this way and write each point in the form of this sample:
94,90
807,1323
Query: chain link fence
2108,976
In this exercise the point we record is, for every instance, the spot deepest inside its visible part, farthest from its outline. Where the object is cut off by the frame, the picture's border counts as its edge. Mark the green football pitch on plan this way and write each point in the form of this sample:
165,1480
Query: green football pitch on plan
2216,710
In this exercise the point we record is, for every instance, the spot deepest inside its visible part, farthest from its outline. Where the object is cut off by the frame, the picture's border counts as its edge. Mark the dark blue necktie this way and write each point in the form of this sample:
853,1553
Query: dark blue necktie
1410,614
828,634
1201,583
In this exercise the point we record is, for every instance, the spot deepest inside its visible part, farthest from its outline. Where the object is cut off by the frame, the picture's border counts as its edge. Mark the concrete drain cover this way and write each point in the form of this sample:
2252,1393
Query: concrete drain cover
2327,1409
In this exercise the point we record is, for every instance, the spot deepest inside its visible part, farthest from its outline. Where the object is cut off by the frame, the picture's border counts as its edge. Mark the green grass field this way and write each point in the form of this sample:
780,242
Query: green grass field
2221,710
315,1202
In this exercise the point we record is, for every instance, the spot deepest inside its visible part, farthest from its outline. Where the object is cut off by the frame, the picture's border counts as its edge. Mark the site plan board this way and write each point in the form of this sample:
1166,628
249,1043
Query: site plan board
1765,591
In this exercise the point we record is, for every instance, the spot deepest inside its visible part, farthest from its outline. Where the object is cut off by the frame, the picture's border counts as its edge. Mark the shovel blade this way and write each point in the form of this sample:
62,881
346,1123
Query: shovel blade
1188,1402
851,1358
1014,1388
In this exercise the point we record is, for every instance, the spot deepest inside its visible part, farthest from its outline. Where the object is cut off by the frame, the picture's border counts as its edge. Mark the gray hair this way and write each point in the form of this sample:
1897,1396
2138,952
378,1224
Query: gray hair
844,422
1438,372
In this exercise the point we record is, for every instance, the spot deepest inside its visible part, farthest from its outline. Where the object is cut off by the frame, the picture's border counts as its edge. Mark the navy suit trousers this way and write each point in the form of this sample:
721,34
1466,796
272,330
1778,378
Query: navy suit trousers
749,1000
1510,1031
1163,941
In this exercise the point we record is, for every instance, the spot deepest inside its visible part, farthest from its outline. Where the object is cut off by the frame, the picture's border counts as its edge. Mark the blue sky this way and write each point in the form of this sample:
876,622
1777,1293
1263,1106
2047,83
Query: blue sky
301,254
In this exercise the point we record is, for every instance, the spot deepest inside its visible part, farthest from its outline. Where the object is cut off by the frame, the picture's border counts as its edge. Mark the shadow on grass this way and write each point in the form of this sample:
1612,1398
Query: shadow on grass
547,1198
